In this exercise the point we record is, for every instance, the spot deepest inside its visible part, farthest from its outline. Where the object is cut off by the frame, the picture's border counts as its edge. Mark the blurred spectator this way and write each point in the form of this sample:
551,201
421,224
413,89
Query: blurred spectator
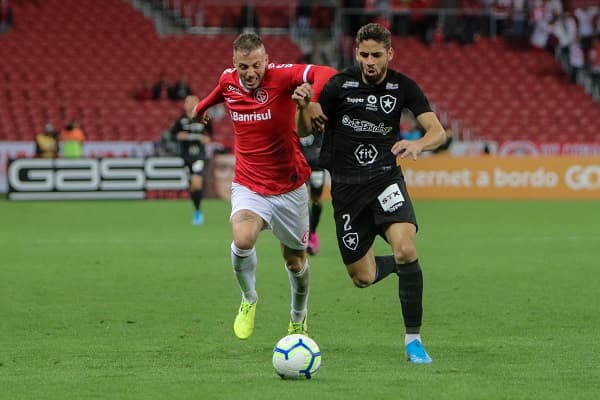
356,17
316,55
159,89
6,16
248,17
303,17
437,37
471,21
144,91
46,143
401,17
565,29
518,28
180,89
422,21
585,21
576,60
543,15
594,64
71,140
409,127
486,148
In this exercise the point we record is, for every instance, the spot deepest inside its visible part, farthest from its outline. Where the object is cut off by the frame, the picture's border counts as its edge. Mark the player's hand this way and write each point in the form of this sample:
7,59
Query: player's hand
204,118
404,148
182,135
318,119
204,139
302,95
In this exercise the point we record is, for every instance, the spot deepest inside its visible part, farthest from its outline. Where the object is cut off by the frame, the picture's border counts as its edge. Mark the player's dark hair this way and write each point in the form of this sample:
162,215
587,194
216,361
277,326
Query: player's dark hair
247,42
374,32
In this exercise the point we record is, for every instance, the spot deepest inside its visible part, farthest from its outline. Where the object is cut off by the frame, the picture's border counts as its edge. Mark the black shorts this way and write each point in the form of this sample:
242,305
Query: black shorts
363,211
195,166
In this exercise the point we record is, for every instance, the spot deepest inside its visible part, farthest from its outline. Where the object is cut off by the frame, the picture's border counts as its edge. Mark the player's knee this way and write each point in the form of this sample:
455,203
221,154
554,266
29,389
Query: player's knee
361,280
295,260
405,252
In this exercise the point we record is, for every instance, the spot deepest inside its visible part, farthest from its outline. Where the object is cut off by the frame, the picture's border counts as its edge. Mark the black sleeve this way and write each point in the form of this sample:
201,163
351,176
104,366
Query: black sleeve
175,129
328,97
416,101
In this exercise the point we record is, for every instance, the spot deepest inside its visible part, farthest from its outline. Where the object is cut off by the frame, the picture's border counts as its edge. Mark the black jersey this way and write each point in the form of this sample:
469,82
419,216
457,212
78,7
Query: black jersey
193,148
364,121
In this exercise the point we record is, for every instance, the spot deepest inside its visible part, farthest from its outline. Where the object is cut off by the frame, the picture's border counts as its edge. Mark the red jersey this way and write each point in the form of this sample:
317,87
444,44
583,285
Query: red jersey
268,159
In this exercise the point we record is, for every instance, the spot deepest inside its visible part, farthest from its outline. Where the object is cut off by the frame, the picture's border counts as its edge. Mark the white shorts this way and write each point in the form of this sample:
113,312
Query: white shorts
285,214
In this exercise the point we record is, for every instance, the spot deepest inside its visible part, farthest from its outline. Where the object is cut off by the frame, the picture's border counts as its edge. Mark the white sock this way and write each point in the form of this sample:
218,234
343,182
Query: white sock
299,292
409,337
244,267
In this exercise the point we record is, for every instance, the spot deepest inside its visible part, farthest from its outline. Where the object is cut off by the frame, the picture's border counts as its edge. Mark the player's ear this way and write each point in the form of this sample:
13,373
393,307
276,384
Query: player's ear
391,53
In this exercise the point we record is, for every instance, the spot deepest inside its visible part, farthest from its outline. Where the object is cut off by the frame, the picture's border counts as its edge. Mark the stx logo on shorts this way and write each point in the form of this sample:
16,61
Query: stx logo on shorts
351,240
391,198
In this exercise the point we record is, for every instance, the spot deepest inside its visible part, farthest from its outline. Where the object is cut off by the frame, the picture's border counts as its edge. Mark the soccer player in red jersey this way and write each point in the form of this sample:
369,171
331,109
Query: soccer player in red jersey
268,189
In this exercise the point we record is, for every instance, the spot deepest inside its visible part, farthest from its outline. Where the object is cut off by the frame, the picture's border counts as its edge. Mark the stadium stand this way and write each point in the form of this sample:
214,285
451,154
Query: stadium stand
500,92
80,59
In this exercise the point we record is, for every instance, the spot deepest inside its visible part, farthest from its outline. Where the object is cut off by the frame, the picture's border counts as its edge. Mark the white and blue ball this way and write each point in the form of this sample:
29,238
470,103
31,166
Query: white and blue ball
296,356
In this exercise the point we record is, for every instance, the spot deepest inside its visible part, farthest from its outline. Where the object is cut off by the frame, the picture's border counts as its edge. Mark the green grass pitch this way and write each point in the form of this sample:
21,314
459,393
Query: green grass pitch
127,300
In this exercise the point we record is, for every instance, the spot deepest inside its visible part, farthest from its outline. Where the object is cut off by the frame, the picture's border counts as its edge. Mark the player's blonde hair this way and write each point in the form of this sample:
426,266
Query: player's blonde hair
247,42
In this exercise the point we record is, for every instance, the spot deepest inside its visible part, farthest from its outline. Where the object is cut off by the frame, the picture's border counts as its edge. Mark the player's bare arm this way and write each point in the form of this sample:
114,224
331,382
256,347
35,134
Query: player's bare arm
302,95
434,137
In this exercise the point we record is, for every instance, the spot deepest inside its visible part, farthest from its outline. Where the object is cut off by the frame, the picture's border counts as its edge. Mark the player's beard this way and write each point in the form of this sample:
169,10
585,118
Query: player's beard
373,79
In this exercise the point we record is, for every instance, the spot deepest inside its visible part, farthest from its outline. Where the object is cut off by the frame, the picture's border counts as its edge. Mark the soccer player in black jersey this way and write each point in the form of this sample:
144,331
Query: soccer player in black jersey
361,109
311,147
192,135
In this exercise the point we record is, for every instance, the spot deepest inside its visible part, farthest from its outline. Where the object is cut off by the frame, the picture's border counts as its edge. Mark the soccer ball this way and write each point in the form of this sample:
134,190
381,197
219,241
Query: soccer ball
296,356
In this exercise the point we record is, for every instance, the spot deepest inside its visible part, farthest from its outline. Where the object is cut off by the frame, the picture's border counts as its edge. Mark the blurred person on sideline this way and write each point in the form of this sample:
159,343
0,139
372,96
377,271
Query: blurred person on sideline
46,142
311,146
193,135
71,140
362,108
268,189
409,127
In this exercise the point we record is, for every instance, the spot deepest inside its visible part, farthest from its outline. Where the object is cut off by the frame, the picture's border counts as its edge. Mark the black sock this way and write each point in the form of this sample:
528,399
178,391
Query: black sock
315,216
196,196
410,291
384,265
